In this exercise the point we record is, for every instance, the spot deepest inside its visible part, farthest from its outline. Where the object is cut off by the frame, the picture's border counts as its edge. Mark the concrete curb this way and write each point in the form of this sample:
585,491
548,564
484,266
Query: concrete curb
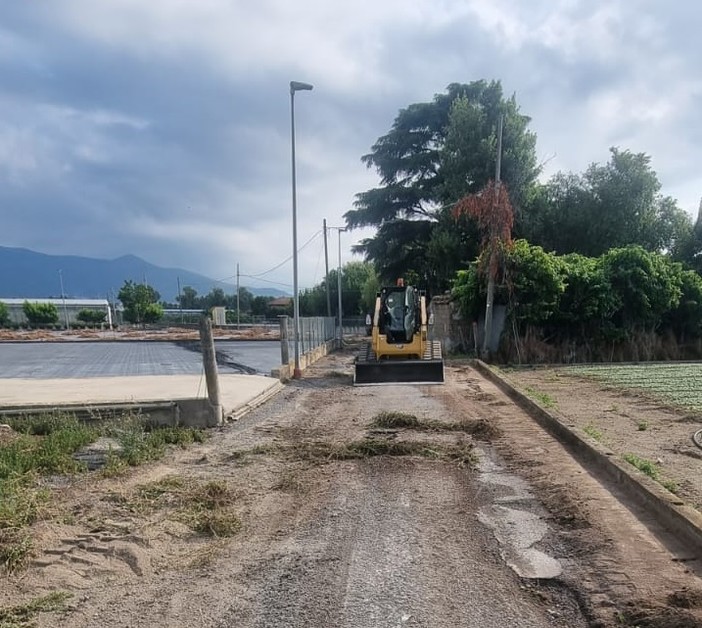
668,510
257,401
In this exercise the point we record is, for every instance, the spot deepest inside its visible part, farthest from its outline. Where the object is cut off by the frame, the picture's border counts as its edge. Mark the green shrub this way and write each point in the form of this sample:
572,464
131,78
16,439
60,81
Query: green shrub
92,317
4,315
40,313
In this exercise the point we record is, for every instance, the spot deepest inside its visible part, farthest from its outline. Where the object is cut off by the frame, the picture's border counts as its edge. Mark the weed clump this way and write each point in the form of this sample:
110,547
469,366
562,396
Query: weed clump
22,615
206,508
642,464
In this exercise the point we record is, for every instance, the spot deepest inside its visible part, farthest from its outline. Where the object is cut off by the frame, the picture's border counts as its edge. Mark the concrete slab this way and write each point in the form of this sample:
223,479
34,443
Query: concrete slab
237,391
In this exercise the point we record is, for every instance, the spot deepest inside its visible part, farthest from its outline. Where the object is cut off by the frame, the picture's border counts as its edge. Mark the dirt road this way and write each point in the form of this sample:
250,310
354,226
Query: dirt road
470,517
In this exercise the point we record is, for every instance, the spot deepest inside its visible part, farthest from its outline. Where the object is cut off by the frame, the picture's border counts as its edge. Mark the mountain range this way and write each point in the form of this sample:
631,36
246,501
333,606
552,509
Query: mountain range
28,274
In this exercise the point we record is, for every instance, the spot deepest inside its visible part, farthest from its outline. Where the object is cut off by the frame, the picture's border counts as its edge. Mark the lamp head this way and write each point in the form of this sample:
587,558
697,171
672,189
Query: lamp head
296,86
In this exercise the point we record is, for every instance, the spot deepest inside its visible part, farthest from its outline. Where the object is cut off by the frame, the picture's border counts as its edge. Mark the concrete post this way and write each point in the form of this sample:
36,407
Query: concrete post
209,361
284,348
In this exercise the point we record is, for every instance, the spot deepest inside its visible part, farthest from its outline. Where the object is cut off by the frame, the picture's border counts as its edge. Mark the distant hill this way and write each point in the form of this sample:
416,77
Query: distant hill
28,274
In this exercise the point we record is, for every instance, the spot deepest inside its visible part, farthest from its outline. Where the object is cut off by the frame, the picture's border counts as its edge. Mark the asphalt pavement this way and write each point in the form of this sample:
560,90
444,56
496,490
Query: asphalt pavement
58,360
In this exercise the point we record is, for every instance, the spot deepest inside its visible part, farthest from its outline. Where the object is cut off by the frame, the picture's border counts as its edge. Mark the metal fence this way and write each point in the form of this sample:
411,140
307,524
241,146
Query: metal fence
314,332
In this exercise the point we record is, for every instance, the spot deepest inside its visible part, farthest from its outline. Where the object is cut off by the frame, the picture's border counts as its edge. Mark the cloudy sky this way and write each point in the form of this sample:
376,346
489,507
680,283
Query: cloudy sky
161,128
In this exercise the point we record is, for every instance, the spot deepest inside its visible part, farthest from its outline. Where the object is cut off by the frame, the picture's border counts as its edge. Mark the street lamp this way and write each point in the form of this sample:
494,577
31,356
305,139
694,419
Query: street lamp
63,298
295,86
338,287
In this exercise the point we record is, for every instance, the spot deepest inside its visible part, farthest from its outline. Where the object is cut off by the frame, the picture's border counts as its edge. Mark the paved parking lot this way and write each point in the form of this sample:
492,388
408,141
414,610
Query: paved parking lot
52,360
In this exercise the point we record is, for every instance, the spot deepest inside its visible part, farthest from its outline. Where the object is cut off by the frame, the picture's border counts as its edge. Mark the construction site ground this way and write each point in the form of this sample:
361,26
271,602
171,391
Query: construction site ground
490,527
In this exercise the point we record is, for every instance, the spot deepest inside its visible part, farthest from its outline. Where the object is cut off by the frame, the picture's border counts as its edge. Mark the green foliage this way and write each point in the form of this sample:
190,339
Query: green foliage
4,315
40,313
593,432
140,303
532,286
608,206
468,292
588,300
92,317
647,286
644,465
433,155
359,284
45,445
535,282
685,320
546,400
576,298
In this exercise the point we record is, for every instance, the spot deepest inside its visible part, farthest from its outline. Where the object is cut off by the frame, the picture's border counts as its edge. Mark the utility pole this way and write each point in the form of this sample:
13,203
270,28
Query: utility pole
491,279
338,285
180,302
326,266
237,296
63,298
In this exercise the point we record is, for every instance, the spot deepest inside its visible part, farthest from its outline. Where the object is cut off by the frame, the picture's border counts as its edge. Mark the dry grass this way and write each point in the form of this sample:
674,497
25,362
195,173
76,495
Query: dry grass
205,507
480,428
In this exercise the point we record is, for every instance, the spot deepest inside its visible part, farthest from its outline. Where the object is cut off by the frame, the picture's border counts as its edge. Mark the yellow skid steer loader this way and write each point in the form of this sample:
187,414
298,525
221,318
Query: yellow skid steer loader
399,350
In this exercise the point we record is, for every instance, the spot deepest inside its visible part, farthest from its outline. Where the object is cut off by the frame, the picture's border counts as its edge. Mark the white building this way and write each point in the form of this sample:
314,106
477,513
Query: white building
67,308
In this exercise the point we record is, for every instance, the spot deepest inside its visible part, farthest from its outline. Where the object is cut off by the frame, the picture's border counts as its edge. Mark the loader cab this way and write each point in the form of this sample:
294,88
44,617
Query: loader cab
399,314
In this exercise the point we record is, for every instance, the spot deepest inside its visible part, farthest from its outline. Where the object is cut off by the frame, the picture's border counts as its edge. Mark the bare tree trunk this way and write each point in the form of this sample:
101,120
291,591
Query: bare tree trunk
488,316
492,268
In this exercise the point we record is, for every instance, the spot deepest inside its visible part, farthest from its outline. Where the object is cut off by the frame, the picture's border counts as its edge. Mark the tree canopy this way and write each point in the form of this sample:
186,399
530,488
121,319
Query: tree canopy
611,205
435,153
140,303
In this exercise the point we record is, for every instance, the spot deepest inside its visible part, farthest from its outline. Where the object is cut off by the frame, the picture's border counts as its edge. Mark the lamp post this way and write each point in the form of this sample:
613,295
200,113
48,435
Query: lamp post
338,287
63,298
295,86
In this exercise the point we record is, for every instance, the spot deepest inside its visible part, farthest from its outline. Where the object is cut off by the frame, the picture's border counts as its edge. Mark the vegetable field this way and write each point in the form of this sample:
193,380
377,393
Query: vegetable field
680,384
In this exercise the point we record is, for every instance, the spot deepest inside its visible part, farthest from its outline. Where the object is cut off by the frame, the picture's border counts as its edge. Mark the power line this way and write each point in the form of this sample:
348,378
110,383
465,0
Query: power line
277,283
285,261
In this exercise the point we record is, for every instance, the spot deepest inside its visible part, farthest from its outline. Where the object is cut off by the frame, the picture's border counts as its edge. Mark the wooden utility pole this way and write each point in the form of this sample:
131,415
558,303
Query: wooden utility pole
238,310
493,252
209,360
180,302
326,266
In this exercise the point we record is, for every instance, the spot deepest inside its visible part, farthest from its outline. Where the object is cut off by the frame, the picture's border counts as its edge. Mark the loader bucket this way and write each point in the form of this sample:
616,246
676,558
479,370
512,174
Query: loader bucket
399,372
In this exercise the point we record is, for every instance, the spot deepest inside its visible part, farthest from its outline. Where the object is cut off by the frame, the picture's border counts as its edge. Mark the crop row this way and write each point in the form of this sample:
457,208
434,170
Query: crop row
678,383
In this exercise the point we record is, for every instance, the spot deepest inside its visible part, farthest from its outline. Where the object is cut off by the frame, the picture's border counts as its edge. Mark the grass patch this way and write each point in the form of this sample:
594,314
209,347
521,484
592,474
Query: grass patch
642,464
15,549
671,485
22,615
593,432
642,426
205,507
44,445
546,400
142,443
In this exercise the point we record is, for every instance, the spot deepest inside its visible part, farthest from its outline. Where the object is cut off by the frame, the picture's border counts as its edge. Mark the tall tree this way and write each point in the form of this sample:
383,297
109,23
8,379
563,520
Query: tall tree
140,303
612,205
188,298
435,153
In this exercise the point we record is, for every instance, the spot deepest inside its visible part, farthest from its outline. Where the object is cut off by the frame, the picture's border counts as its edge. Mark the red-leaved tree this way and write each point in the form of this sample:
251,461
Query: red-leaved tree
492,210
